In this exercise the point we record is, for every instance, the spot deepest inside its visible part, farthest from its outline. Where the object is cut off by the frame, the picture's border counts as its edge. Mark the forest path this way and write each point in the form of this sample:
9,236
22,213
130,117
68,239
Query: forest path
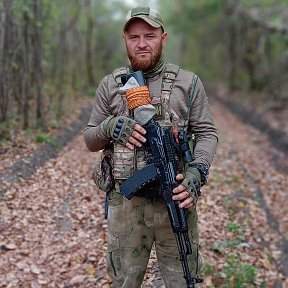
52,229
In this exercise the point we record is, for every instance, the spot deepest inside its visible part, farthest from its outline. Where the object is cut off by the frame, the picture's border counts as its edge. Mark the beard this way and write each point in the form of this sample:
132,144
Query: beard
145,64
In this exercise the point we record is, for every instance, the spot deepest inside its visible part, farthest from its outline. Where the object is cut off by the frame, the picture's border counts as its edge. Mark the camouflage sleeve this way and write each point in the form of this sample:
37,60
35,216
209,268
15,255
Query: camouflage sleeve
202,124
94,135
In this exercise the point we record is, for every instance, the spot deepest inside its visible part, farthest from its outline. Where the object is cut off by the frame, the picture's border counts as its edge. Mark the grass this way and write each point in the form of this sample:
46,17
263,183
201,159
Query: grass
238,275
234,228
235,272
46,138
6,133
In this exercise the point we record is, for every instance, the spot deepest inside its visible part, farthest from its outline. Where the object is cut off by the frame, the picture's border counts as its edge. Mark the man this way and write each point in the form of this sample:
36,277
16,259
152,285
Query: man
181,103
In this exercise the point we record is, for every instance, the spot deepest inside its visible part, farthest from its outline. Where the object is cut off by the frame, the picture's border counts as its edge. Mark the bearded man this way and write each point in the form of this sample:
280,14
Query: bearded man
181,103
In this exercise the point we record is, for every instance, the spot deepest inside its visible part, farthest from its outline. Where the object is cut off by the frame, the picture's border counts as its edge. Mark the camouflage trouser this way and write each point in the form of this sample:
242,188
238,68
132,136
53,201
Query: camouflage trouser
133,226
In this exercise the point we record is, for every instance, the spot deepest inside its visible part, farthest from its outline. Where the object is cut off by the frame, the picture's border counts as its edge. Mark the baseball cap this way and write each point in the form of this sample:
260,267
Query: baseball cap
151,16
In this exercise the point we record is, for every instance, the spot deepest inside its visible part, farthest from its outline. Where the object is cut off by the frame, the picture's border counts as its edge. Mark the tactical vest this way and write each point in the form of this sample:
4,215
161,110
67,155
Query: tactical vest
125,161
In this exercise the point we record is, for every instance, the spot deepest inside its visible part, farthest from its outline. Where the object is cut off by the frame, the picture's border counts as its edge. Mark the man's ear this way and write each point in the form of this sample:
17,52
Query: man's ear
164,38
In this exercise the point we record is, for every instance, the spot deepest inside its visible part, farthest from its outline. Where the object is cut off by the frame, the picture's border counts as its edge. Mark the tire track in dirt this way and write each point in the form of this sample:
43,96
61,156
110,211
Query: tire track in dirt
248,149
27,166
52,225
277,138
272,221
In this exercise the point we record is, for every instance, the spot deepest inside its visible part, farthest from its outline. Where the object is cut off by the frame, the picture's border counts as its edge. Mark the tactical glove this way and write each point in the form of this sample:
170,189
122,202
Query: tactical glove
119,128
192,181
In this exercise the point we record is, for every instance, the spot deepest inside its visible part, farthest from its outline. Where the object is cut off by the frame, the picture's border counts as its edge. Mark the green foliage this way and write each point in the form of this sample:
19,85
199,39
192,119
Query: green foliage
46,138
210,38
207,269
5,134
238,232
81,42
234,227
238,275
69,30
8,129
263,3
192,25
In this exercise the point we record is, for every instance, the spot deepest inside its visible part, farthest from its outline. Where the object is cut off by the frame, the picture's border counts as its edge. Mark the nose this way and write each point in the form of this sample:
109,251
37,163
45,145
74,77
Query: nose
142,42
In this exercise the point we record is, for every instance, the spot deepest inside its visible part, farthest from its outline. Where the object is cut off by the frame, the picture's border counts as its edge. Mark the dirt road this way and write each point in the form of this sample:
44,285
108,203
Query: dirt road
52,229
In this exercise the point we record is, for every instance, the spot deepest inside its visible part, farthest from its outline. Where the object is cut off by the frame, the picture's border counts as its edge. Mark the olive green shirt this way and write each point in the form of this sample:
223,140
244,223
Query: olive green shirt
199,118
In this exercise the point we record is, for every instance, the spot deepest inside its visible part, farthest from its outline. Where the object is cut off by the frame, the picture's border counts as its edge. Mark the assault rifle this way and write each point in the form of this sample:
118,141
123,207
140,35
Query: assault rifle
163,167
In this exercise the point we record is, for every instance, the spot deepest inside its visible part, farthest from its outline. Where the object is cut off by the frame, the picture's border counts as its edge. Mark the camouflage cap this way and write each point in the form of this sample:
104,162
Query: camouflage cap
151,16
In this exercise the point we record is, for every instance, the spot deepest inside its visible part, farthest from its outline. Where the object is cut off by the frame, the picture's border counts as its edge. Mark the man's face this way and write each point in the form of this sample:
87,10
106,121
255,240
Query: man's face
144,44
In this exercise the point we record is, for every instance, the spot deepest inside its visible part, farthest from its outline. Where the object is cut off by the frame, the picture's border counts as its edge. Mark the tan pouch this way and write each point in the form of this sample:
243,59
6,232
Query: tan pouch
103,172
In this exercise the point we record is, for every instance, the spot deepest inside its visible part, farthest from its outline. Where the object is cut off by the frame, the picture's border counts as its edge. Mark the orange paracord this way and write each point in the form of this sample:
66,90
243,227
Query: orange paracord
137,96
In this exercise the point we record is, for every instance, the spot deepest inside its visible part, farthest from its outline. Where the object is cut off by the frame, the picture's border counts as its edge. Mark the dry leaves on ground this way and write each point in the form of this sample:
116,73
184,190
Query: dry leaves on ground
52,229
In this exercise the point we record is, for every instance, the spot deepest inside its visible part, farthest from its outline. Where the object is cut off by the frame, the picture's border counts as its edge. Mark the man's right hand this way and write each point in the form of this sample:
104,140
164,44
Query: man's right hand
136,138
125,131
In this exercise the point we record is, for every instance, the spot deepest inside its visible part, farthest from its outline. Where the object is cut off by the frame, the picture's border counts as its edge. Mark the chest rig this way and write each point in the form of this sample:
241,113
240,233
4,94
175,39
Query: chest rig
126,162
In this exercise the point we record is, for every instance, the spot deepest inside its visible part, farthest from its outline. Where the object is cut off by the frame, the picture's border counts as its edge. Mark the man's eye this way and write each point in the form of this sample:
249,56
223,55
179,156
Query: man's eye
150,36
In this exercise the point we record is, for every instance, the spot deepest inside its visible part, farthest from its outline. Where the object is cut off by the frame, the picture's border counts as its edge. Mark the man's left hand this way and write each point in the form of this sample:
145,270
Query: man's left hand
182,195
187,192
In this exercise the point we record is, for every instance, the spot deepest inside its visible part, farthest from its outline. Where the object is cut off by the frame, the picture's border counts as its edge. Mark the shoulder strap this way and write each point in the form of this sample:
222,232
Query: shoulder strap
118,73
169,76
170,73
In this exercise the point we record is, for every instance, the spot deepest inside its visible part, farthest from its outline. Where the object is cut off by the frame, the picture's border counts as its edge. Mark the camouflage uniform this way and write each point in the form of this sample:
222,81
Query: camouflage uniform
134,225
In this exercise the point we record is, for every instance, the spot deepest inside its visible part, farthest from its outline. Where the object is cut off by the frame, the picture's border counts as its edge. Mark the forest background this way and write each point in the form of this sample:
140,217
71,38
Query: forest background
54,53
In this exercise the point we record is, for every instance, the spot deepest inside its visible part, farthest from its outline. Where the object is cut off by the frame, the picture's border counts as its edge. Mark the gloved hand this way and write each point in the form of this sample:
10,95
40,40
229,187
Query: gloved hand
192,181
189,189
120,128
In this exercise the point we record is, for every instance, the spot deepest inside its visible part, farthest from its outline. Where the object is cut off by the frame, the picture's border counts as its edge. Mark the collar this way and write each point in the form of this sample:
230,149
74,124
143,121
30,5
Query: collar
154,71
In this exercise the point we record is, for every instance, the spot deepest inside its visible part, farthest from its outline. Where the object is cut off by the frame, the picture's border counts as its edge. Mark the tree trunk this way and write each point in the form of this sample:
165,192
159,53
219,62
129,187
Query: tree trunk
89,37
251,58
232,55
5,71
25,78
38,70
